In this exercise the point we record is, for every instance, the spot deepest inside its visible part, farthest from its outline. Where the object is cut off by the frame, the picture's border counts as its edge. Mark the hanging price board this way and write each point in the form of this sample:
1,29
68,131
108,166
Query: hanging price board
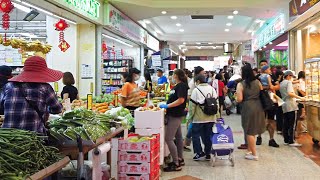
56,87
89,101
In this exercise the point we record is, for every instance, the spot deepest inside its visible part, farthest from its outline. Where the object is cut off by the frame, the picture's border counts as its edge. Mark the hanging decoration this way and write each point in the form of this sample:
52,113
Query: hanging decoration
104,47
60,26
6,7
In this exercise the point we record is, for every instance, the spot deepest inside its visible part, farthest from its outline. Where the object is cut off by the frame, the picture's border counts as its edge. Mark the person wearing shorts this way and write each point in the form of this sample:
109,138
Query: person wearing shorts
221,92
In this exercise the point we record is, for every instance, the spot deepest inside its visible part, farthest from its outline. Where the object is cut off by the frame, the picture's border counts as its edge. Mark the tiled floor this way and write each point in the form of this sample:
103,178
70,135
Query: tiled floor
274,164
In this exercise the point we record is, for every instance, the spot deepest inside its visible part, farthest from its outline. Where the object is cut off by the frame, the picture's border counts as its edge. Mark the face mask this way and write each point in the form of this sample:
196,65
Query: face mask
136,78
174,81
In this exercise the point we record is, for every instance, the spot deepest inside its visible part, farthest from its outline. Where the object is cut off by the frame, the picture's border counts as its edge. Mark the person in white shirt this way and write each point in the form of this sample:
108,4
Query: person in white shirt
302,123
141,82
197,70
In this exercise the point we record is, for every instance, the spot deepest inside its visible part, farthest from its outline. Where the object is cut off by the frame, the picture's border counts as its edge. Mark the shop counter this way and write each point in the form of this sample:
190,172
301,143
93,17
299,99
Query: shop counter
313,119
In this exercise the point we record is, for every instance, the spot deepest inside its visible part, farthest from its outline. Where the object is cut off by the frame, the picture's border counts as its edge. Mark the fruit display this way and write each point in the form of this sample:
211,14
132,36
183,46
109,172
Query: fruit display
159,91
152,108
137,139
100,107
23,153
122,114
77,104
20,43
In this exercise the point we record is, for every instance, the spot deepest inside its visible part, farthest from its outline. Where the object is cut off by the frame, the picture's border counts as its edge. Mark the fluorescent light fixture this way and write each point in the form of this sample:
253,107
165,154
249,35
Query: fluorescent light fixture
184,43
227,30
312,28
181,30
118,40
198,43
157,31
214,47
59,17
230,17
27,21
164,12
210,43
22,8
147,21
178,24
270,42
37,8
199,47
229,24
174,17
235,12
31,15
29,35
257,21
250,31
264,46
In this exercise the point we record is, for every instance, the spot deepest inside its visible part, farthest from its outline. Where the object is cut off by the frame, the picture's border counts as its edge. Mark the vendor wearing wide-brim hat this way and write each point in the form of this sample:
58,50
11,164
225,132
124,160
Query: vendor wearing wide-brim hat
28,98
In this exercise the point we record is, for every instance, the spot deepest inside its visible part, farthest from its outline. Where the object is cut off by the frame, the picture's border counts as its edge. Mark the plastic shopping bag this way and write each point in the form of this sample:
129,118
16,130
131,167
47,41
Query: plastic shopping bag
227,101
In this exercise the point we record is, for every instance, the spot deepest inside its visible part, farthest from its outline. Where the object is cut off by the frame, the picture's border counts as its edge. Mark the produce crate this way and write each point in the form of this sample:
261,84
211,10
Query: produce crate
155,175
142,156
148,119
125,145
138,168
50,170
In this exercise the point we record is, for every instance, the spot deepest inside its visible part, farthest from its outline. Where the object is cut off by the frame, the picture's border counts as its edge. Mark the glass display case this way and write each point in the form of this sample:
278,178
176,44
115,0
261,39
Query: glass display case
312,79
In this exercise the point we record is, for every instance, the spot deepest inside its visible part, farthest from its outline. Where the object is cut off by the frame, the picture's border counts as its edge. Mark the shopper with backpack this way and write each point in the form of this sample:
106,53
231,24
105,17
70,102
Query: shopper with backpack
203,109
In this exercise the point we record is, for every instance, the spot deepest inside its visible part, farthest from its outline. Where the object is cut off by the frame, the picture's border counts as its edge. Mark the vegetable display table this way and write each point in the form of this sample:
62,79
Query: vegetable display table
51,169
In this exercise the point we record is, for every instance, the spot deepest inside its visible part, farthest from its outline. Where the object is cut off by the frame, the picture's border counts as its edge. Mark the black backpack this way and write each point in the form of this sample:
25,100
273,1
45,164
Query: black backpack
210,105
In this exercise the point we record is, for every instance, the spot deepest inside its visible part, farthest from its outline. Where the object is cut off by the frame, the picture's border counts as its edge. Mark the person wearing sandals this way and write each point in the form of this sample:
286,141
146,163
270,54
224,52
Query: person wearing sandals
252,113
175,106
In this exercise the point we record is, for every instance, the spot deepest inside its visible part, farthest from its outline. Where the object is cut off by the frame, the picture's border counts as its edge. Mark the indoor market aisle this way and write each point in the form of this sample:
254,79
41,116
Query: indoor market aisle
282,163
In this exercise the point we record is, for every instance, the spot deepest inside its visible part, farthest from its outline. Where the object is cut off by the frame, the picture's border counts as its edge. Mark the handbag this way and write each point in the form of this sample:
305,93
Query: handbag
267,103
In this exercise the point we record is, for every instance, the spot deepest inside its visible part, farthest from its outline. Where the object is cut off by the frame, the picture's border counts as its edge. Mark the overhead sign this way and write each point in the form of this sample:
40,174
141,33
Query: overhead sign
153,43
275,28
122,23
91,7
156,60
199,58
298,7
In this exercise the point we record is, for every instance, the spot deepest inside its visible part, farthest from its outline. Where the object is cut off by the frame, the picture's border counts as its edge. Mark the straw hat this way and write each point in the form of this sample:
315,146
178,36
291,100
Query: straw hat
36,70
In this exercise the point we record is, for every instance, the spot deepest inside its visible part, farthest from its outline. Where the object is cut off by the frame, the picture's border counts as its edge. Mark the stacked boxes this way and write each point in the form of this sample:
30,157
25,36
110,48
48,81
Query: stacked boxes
151,122
139,160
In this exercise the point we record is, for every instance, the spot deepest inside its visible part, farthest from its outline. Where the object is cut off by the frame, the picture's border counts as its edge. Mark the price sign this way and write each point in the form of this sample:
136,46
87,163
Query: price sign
89,101
56,87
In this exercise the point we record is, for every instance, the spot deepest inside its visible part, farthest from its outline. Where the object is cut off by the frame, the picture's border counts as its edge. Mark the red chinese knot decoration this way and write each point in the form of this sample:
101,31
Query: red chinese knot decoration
60,26
6,7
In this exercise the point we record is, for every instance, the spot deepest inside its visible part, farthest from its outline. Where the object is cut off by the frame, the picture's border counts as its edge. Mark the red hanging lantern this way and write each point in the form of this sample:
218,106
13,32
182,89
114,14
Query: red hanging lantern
104,47
6,7
60,26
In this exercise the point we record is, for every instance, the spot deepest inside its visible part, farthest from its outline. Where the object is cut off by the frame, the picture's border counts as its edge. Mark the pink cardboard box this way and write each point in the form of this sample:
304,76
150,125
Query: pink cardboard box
142,156
125,145
138,168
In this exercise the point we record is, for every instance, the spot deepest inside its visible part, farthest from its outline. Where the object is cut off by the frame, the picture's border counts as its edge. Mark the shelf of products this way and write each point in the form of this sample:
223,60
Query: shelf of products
312,79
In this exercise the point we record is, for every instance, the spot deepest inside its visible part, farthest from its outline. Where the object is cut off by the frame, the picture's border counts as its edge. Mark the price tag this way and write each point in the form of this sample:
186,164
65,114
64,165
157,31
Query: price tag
89,101
91,88
56,87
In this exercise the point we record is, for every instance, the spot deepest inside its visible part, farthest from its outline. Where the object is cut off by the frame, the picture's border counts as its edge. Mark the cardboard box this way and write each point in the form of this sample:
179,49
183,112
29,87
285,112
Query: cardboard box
125,145
155,175
138,157
138,168
149,119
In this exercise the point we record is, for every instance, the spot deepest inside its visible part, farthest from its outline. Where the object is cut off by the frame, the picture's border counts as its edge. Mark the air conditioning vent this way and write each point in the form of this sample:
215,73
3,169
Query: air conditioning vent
202,17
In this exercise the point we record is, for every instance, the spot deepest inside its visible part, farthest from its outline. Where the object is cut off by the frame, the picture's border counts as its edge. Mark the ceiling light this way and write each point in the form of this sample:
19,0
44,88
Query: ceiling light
257,21
164,12
230,17
31,15
227,30
29,35
22,8
229,24
157,31
270,42
199,47
147,21
250,31
181,30
210,43
260,49
37,8
178,24
235,12
198,43
214,47
184,43
264,46
118,40
174,17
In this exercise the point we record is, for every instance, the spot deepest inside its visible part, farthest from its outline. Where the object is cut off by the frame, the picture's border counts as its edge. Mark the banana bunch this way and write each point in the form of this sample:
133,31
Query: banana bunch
46,48
17,43
36,46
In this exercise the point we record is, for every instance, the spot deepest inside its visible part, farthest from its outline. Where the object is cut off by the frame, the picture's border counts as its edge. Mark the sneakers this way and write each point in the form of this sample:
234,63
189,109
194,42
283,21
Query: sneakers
172,167
181,162
186,149
259,140
295,144
243,146
199,157
208,157
251,157
273,143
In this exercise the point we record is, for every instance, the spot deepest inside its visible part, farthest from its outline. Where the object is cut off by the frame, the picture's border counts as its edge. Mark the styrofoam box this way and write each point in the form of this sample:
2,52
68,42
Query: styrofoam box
149,132
138,168
148,119
138,157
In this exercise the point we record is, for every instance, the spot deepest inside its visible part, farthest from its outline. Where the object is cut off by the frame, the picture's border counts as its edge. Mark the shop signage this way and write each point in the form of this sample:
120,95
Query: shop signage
90,7
298,7
122,23
275,28
156,60
199,58
153,43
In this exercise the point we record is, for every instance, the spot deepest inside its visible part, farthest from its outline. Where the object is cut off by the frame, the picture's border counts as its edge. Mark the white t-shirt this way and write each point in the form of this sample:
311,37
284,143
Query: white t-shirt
302,85
140,81
191,85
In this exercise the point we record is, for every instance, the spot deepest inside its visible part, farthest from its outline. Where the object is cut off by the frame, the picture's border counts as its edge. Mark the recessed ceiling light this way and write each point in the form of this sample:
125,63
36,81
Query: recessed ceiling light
178,24
235,12
214,47
174,17
198,43
181,30
184,43
264,46
230,17
227,30
270,42
147,21
250,31
229,24
164,12
260,49
199,47
210,43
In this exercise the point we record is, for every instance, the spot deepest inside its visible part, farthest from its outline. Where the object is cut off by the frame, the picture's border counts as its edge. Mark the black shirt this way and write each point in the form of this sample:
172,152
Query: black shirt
179,91
71,90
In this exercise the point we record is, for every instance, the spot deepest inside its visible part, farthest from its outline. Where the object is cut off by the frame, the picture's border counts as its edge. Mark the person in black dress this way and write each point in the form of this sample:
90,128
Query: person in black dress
148,85
69,91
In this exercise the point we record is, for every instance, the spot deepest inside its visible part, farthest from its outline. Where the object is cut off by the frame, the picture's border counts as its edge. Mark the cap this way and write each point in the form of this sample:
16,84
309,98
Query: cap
289,73
159,70
264,68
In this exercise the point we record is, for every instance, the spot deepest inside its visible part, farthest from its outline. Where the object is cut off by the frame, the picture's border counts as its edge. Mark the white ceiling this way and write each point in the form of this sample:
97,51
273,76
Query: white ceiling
202,30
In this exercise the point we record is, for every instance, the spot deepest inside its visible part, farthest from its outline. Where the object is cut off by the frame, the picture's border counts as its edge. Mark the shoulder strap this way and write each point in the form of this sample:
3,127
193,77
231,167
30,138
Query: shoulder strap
201,92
